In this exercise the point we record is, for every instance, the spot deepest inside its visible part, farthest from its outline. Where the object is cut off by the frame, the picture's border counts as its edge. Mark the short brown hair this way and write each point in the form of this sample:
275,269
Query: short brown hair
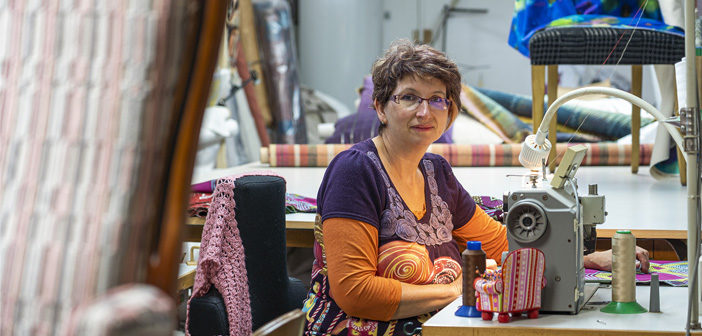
405,58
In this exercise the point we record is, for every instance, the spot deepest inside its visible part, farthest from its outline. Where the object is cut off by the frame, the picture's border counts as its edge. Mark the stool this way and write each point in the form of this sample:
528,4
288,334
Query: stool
588,45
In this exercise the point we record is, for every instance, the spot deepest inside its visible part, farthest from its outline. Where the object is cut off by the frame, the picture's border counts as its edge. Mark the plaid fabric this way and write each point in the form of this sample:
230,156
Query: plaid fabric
304,155
598,154
532,15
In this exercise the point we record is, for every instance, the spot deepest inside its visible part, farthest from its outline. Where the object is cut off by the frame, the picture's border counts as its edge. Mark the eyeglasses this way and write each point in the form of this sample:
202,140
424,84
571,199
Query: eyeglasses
410,102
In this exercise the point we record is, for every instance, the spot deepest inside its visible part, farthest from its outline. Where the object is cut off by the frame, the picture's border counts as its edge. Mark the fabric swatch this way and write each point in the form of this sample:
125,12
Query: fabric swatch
673,273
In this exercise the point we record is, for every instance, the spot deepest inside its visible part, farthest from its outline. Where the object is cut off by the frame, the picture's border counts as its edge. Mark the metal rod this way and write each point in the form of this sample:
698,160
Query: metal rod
692,170
469,10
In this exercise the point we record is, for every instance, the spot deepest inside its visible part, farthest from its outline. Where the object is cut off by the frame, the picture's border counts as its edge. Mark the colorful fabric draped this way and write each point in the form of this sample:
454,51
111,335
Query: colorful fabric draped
533,15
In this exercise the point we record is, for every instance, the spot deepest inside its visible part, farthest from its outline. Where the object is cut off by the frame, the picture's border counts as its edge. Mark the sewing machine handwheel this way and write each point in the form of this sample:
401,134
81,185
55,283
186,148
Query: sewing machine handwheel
526,221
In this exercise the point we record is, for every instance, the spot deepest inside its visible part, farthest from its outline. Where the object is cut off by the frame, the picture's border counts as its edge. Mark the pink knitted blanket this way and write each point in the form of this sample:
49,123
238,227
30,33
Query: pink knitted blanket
221,261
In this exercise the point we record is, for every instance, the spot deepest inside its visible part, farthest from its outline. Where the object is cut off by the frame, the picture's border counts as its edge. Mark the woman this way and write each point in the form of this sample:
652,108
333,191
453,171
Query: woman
385,254
391,217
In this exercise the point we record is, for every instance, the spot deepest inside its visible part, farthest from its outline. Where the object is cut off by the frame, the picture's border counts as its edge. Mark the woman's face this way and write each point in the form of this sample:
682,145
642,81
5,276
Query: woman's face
417,125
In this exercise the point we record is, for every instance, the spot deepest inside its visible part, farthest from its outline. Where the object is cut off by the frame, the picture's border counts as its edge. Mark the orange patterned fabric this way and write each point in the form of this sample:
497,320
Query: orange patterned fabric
406,262
409,262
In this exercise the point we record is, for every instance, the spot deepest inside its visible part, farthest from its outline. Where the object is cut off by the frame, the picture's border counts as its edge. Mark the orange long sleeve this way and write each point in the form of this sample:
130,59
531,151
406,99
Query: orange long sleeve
490,232
351,249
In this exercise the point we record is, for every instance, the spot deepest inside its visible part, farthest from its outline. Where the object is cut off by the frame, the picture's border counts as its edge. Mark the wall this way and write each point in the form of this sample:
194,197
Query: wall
338,42
340,39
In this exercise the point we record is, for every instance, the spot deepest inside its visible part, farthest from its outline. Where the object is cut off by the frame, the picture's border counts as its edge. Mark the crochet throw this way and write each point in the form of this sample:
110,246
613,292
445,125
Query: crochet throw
221,261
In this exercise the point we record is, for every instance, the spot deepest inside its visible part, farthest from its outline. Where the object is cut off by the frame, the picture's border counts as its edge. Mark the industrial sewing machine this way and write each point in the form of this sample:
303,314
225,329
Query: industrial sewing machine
553,218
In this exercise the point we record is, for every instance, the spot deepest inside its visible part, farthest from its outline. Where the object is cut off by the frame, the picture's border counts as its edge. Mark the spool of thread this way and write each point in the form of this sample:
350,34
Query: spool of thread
623,267
623,275
473,266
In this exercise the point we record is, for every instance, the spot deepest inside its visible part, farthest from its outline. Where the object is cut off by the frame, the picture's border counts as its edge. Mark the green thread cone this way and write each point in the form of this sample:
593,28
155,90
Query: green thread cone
623,308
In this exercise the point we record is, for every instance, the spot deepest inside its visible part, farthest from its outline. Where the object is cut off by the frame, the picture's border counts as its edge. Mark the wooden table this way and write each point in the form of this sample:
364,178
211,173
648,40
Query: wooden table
299,229
186,276
590,321
650,208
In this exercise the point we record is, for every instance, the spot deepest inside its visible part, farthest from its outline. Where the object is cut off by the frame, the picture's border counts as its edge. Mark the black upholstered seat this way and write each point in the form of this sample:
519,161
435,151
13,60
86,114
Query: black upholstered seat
260,216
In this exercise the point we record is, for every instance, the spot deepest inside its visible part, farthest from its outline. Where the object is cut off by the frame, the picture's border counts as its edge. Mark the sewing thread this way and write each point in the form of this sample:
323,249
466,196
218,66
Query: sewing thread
623,267
473,265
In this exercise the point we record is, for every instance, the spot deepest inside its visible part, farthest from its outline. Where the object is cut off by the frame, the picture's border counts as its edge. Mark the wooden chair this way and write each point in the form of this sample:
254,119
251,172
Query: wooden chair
588,45
289,324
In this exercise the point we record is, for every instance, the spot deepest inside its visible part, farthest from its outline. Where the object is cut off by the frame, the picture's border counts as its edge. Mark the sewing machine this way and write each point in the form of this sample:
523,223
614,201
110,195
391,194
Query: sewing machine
553,218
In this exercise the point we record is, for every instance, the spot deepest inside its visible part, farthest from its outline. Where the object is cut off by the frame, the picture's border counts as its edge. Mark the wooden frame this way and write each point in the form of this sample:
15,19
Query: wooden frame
190,103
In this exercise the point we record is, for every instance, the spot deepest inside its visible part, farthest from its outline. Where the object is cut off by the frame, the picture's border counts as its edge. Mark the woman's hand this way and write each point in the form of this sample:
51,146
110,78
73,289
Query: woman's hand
603,260
421,299
457,285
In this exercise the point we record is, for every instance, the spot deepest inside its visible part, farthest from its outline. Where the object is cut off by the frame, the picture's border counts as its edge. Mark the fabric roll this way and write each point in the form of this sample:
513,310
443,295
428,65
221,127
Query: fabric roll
476,155
608,126
275,31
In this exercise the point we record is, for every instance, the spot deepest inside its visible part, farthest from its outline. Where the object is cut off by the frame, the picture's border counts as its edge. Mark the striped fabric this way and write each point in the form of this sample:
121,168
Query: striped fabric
86,126
598,154
516,287
303,155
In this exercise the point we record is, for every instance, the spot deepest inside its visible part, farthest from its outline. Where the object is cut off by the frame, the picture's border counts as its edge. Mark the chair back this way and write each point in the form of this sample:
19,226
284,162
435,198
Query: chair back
522,279
259,202
96,99
289,324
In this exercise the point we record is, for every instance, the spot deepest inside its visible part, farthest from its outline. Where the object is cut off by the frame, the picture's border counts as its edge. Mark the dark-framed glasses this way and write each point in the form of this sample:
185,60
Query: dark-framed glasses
410,102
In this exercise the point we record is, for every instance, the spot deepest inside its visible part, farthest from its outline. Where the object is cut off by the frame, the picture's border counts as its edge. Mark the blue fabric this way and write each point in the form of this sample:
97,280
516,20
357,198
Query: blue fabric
607,125
533,15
